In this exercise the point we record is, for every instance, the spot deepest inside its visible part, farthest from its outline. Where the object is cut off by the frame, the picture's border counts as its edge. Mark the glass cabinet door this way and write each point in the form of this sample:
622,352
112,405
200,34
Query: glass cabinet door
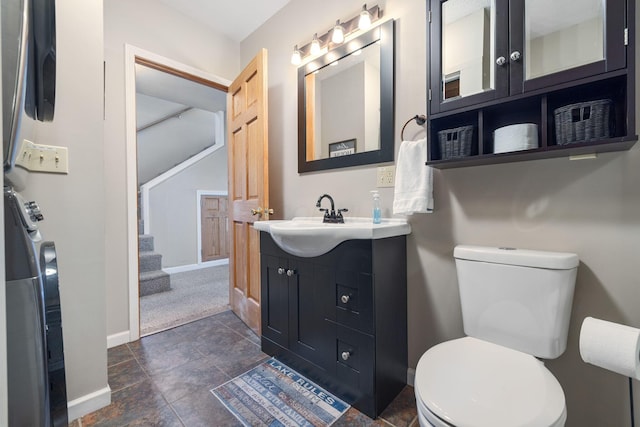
562,34
563,40
467,67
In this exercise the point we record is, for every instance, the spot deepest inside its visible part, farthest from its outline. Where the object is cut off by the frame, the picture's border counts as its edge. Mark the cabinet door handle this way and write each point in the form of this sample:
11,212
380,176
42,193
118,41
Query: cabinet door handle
345,299
515,56
345,355
291,272
280,270
501,60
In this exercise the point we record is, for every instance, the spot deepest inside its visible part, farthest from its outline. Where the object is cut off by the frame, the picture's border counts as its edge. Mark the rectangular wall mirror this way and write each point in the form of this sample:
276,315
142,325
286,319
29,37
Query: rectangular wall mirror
345,104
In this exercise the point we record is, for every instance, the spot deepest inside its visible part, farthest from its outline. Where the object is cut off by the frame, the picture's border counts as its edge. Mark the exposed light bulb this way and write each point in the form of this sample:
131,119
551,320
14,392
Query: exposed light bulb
296,58
365,19
338,33
315,45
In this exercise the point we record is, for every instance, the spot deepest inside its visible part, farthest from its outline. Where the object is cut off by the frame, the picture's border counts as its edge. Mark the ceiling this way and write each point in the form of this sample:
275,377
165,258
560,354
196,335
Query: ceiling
234,18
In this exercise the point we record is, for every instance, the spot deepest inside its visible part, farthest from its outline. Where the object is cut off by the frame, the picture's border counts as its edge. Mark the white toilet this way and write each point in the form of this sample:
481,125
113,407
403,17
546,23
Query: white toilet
516,306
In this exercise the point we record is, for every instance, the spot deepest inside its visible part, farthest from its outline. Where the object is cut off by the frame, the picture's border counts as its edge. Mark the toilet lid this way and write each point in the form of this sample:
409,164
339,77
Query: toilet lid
470,382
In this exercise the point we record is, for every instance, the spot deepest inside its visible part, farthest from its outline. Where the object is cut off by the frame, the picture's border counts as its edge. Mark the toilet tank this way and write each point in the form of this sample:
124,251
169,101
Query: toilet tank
517,298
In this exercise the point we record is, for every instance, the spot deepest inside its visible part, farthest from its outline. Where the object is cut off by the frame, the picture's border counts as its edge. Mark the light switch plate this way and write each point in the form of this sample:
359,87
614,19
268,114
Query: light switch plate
43,158
386,176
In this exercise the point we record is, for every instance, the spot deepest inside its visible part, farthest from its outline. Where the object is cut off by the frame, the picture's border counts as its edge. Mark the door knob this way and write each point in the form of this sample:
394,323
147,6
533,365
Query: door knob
515,56
280,270
261,211
501,61
345,299
291,272
345,355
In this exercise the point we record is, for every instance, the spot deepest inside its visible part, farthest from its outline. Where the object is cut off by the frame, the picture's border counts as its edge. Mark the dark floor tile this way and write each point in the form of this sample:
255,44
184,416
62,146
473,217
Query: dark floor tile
203,410
157,357
197,376
233,322
125,374
163,417
355,418
235,357
118,354
127,405
402,411
217,340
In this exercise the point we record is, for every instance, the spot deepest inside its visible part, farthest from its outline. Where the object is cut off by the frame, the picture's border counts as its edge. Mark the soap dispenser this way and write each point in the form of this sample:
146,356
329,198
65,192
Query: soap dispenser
377,214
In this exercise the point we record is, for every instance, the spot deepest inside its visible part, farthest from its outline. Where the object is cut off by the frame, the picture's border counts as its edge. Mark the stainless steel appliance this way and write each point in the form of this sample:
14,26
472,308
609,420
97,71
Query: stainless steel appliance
35,353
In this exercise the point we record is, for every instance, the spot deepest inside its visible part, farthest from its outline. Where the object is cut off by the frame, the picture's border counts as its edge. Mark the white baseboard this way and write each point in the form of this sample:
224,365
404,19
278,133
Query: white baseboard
411,376
191,267
118,339
89,403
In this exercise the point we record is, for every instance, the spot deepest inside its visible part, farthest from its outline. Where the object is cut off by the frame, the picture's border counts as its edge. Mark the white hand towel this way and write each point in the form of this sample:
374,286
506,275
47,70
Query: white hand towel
414,180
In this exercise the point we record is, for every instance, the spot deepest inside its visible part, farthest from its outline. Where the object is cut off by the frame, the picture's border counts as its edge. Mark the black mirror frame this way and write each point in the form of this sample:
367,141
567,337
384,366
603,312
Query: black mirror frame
385,33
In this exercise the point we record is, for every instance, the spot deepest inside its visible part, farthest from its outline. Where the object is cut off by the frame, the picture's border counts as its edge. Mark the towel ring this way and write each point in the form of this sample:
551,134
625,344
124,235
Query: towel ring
420,120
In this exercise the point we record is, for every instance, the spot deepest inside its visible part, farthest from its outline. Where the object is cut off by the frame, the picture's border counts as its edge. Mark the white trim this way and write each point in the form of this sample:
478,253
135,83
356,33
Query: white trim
145,188
200,266
199,194
411,376
130,53
115,340
89,403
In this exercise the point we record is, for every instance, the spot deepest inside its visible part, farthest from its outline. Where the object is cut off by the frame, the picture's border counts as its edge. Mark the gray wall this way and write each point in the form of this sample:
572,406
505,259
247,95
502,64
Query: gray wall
590,207
73,205
173,208
144,24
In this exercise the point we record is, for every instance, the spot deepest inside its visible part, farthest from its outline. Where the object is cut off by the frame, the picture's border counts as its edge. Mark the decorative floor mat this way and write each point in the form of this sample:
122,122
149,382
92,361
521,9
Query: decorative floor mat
272,394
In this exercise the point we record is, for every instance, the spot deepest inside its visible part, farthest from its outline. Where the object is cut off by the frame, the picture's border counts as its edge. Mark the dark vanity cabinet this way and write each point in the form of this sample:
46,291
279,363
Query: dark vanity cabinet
561,65
340,318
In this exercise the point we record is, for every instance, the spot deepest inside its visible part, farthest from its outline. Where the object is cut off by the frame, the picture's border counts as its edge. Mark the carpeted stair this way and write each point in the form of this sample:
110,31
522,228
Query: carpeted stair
152,278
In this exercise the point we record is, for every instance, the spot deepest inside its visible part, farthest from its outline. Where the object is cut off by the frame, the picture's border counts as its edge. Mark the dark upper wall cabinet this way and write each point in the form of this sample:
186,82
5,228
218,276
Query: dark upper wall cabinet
561,65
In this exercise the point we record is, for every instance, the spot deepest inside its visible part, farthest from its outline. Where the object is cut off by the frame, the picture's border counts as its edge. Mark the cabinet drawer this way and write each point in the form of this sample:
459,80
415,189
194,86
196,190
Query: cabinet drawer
354,358
354,300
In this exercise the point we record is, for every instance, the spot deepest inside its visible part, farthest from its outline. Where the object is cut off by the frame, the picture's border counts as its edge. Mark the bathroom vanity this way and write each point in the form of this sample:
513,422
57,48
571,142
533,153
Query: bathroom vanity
339,318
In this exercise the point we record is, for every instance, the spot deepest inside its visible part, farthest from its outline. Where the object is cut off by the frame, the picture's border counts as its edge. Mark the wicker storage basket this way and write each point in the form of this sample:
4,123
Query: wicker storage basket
455,142
583,121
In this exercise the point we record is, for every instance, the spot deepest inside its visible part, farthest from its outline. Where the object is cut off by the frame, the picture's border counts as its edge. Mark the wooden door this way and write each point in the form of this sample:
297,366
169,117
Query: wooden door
214,236
248,186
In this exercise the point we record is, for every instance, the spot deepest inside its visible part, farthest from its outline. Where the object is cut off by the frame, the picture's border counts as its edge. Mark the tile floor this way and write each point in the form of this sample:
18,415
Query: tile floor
164,379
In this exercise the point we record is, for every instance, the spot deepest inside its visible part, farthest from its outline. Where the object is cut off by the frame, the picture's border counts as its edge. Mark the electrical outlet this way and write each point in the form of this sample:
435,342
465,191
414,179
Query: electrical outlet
386,176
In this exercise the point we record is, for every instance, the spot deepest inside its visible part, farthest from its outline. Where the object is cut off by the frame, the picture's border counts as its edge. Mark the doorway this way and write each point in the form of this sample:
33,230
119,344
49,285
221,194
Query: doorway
176,133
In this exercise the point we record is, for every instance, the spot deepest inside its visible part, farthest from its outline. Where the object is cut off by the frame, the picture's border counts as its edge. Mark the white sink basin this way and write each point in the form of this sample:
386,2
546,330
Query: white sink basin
309,237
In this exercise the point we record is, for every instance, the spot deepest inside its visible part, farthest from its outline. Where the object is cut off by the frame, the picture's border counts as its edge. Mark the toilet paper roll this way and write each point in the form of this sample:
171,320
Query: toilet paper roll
611,346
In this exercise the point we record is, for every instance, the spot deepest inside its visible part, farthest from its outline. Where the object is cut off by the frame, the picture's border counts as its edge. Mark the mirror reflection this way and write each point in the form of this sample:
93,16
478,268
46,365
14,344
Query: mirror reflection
345,103
344,97
468,40
574,37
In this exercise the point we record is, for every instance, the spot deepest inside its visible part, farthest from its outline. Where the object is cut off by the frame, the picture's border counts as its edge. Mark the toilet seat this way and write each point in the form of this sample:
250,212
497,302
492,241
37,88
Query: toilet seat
470,382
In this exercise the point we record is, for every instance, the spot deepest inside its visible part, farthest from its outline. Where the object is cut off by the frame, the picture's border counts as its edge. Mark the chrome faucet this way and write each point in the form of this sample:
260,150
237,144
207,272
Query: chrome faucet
330,215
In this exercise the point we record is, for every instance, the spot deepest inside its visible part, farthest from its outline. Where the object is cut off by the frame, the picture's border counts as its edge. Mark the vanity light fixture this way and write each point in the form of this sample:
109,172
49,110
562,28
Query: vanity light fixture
338,33
296,57
364,22
315,45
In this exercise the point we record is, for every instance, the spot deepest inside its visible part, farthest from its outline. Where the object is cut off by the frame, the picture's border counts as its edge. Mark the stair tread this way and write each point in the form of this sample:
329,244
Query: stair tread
149,275
148,253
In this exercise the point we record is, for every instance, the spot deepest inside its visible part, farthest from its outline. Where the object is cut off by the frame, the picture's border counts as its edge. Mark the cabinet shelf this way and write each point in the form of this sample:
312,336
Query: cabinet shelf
590,147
